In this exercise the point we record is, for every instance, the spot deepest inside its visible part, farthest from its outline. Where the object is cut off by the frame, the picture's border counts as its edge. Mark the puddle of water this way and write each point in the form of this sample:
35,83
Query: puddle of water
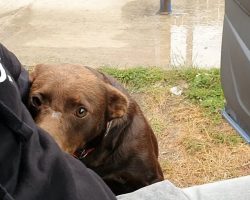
113,32
198,46
190,36
196,39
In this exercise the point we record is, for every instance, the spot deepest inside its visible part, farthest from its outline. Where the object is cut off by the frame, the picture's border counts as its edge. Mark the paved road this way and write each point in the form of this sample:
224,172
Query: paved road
112,32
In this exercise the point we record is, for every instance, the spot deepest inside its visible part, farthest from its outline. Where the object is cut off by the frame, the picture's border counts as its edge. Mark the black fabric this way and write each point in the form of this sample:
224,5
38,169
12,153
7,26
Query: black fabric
9,60
2,192
31,164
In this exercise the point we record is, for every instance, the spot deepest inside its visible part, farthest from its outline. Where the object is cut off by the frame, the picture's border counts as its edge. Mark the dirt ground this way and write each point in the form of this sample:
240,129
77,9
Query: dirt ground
193,148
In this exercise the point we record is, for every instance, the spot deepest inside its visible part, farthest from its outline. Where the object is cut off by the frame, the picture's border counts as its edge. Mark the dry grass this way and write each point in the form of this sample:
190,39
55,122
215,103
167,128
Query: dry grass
193,148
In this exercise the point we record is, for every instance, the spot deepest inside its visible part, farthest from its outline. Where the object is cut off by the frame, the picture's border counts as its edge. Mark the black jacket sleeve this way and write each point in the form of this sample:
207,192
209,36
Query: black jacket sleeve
31,164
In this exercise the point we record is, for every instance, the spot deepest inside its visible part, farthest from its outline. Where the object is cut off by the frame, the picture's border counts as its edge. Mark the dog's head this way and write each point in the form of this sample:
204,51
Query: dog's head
73,104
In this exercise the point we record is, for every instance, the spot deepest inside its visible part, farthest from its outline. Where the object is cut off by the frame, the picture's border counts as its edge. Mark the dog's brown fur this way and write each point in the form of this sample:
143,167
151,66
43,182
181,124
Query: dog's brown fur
126,158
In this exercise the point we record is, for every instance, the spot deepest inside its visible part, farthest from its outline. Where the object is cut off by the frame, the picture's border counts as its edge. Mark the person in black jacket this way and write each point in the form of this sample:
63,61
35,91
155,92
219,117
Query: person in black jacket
31,164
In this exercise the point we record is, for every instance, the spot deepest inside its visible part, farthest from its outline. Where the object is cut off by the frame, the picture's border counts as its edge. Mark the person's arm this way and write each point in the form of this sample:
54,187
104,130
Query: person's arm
32,166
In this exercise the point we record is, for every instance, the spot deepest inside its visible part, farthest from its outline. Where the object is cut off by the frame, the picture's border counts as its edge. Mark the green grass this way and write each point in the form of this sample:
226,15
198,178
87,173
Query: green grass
222,138
204,86
136,78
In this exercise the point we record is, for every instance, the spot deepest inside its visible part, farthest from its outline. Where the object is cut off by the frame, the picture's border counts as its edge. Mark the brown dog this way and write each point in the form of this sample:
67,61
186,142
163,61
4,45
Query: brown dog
92,117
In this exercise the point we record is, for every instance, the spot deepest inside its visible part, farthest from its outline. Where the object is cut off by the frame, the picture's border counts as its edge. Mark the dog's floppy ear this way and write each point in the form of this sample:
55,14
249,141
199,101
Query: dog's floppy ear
117,103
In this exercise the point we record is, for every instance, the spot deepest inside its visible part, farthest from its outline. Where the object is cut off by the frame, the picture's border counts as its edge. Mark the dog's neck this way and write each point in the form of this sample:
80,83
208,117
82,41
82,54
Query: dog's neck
83,152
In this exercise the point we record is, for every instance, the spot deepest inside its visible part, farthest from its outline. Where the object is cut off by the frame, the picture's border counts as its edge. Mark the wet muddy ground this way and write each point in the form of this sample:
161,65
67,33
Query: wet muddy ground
121,33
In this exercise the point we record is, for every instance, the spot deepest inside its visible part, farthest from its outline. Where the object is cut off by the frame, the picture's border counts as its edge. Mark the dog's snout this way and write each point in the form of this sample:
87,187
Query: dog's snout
51,123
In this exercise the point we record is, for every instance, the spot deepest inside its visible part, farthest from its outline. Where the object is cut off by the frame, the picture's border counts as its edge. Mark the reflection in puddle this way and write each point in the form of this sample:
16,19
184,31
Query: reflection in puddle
195,33
190,36
199,46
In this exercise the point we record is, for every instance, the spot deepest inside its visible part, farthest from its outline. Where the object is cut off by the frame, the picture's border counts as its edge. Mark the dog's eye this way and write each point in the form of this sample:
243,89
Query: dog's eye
81,112
36,100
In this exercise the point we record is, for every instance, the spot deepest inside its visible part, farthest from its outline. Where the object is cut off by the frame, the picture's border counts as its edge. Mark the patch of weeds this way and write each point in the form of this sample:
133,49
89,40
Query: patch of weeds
229,139
204,87
193,145
136,78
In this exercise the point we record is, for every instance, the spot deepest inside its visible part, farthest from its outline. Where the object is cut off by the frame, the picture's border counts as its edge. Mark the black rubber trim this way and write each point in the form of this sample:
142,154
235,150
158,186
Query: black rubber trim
243,6
2,192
